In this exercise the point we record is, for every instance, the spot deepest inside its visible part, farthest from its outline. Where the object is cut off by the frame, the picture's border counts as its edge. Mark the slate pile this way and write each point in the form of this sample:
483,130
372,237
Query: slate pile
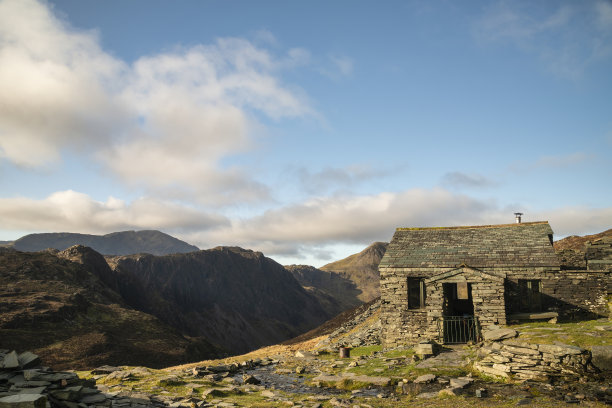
25,383
505,356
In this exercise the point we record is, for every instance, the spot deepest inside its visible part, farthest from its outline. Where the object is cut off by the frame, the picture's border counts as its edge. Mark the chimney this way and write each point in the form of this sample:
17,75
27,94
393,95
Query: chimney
517,216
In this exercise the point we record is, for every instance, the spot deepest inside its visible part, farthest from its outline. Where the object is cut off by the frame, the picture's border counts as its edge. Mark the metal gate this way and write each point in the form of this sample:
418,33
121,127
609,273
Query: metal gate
459,329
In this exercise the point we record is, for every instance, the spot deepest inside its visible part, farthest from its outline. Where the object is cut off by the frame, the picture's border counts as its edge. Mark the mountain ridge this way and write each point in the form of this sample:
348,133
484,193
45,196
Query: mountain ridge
115,243
362,269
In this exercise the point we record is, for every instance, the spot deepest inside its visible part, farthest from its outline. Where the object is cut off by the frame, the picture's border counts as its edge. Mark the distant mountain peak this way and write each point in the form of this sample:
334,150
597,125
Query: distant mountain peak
116,243
362,268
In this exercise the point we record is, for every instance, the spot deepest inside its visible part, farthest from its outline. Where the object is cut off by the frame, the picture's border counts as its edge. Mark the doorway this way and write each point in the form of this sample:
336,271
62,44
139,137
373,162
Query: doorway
459,325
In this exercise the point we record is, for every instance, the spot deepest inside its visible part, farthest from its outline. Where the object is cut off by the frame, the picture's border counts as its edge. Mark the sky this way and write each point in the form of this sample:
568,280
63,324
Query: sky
305,130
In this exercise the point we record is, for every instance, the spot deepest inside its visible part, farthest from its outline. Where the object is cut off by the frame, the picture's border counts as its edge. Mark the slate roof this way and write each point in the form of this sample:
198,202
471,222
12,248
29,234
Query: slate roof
524,244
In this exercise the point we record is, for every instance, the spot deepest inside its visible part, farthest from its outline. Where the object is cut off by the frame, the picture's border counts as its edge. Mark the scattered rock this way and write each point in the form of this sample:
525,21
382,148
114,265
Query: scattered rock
250,379
460,382
450,391
425,379
106,369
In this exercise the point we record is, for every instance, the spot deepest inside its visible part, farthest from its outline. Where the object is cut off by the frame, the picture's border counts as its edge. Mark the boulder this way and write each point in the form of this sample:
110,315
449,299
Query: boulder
602,357
499,334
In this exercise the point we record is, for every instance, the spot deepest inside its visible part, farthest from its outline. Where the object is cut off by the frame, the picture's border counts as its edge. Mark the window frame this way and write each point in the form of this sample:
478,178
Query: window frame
416,303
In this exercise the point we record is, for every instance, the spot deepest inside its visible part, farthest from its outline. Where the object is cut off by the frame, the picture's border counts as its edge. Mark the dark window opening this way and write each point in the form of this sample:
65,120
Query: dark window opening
530,291
550,238
416,293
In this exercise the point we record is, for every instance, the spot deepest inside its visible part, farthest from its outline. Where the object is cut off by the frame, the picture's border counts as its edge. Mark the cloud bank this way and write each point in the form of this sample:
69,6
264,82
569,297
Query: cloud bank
147,119
296,230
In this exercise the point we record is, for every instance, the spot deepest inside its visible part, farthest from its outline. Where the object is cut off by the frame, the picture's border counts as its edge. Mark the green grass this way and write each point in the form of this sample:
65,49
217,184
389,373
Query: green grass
365,350
407,352
582,334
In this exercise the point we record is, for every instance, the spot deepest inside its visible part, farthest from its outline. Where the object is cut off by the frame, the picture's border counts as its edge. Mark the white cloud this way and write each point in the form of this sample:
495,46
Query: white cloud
165,122
301,230
77,212
349,219
310,230
53,86
576,220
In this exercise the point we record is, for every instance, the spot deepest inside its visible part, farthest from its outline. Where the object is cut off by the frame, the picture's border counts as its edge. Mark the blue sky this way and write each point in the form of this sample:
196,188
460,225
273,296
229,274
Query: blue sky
305,130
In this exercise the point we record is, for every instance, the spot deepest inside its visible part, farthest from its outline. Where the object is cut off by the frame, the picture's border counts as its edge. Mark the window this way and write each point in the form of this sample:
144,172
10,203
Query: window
416,293
530,291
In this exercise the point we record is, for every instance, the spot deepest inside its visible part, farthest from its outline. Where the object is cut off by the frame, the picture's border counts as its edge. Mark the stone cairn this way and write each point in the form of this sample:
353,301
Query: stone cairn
504,356
24,383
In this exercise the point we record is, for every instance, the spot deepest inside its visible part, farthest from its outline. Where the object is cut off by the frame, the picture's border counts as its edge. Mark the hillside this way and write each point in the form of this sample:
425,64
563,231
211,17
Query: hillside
362,269
234,297
57,305
572,250
116,243
577,243
334,292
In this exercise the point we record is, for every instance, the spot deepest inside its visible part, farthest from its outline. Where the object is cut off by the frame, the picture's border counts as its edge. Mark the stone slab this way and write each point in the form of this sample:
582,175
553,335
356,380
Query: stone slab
28,360
24,401
560,349
499,334
424,379
11,360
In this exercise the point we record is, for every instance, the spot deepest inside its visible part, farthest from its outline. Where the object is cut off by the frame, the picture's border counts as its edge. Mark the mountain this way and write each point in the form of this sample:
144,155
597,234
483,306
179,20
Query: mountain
334,292
116,243
572,250
234,297
65,307
576,242
362,269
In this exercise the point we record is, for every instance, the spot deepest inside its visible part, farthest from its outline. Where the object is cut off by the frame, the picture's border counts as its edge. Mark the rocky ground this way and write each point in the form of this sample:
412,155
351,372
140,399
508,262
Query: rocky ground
311,373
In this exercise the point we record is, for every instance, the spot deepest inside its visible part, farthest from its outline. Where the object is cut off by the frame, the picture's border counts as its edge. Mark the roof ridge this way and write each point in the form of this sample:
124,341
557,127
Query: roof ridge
473,226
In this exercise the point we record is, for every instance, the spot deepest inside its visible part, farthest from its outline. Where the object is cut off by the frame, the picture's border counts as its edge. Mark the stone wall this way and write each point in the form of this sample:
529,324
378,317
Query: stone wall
574,294
515,359
599,255
400,325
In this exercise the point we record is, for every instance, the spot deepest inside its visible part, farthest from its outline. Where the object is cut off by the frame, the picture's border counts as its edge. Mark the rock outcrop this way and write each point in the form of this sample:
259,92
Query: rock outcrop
234,297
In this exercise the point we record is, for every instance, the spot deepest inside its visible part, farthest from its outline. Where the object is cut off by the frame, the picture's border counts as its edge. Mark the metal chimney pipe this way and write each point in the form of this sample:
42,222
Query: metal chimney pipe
517,216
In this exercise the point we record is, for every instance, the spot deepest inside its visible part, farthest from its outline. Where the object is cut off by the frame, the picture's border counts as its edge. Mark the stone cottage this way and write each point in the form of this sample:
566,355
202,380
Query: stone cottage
445,284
